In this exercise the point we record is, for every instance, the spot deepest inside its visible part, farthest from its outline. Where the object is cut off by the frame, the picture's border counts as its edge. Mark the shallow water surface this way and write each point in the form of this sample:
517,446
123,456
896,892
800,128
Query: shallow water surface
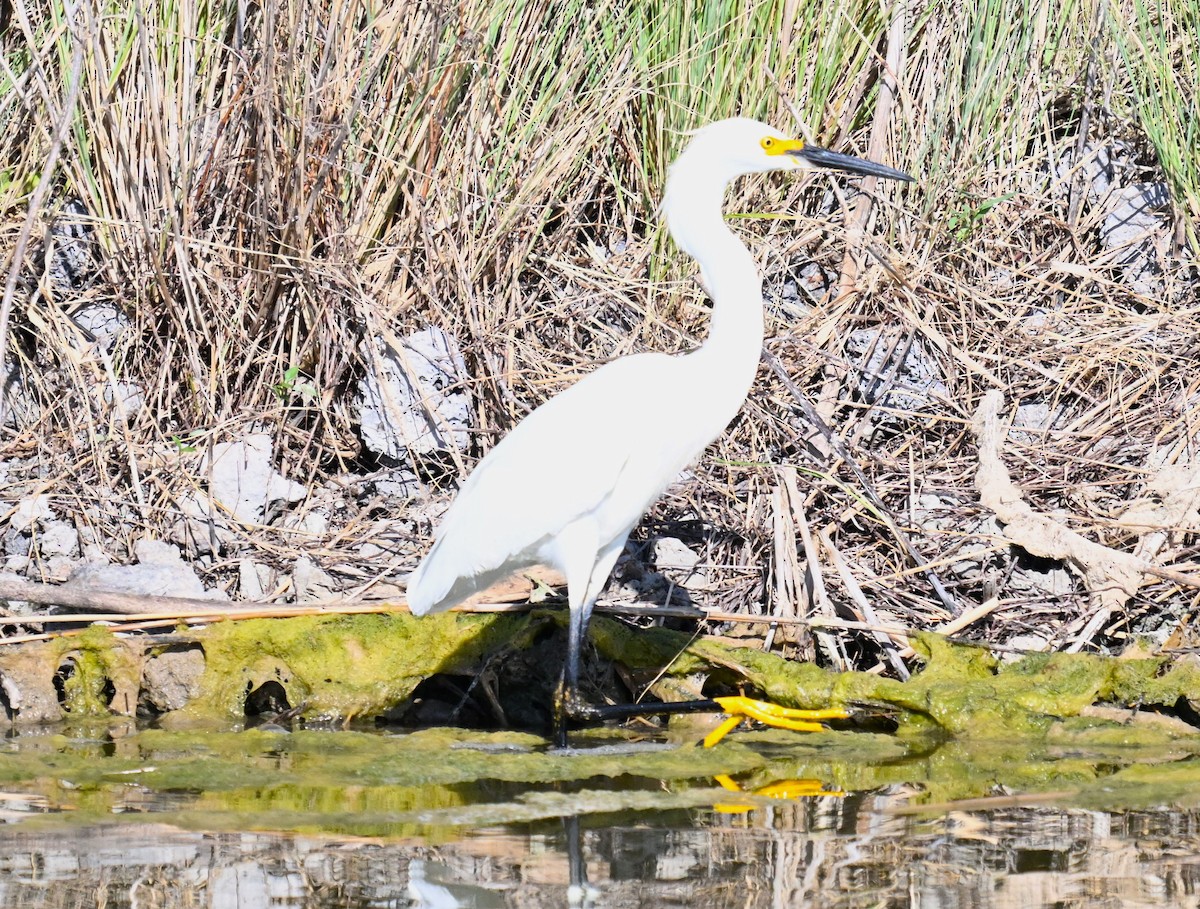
439,818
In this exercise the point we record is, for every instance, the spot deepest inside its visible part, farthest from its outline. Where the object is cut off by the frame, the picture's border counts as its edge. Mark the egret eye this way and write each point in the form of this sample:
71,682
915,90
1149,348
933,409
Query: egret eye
768,143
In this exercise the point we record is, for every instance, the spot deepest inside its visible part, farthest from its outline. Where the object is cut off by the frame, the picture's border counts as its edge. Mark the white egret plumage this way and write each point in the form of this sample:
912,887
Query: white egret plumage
572,479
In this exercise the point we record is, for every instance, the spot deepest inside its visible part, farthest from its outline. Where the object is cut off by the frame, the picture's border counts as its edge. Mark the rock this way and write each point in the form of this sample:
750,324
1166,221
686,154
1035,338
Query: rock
16,543
402,484
312,523
19,407
18,607
126,398
678,564
104,321
1134,226
249,582
311,583
1033,643
1098,167
28,686
670,552
198,528
817,282
242,484
59,568
242,480
172,678
884,379
1053,579
70,258
31,510
372,551
411,398
1031,420
160,571
58,538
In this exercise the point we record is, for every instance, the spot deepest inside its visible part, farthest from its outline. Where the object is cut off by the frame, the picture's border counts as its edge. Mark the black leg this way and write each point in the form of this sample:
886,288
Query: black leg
568,705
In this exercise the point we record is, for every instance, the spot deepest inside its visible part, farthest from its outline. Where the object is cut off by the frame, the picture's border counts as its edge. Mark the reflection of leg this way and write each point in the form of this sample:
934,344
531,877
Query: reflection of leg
579,890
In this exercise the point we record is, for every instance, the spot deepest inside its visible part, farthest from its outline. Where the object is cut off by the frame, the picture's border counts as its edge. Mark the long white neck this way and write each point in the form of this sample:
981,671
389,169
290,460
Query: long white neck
730,355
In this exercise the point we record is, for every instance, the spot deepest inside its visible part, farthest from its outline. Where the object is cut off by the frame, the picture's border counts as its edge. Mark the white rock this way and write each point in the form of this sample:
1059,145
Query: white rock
105,321
1133,214
1031,420
58,538
59,568
314,523
1031,642
882,380
250,584
403,484
199,528
310,582
20,408
17,543
156,552
18,607
1096,166
70,255
1134,226
242,480
31,510
670,552
127,398
372,551
405,399
678,563
159,572
1054,581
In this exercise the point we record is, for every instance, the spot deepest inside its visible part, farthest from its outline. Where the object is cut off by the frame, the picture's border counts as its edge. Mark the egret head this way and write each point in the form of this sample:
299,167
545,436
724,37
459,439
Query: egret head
738,146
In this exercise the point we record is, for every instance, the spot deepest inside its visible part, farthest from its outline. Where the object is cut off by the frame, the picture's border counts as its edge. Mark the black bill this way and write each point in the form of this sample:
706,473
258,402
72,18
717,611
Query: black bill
820,157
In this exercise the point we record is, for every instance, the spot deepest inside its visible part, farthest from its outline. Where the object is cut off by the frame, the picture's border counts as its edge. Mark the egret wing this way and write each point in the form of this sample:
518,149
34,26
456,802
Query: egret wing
561,463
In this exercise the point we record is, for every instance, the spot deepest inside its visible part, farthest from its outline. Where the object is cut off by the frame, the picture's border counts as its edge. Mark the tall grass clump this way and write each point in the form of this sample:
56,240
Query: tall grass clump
1162,54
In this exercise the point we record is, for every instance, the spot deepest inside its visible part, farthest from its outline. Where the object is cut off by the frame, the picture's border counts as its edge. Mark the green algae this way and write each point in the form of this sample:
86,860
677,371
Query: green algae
961,691
433,782
344,666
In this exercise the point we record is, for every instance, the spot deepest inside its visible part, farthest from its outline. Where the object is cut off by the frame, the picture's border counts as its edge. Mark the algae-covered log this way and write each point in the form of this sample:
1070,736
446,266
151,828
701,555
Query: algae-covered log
962,691
343,666
346,666
336,666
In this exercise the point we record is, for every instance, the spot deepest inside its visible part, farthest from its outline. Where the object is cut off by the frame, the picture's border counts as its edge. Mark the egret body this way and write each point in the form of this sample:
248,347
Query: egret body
570,482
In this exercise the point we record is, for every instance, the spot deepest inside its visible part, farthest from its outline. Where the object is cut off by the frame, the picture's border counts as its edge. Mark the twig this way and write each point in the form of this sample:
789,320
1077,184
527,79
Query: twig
856,223
882,638
140,608
1112,577
868,489
954,626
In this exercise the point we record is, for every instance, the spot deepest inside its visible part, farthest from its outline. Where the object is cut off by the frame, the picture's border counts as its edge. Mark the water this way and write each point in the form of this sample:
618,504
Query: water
117,817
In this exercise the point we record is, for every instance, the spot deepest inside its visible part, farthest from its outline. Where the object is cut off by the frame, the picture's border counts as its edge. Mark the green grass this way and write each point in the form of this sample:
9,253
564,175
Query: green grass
1160,50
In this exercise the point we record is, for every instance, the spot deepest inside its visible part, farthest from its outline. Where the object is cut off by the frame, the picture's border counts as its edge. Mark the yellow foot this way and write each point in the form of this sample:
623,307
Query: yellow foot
740,708
781,789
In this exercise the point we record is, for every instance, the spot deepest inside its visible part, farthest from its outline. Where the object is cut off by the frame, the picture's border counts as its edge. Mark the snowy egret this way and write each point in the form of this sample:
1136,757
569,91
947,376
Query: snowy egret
570,482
